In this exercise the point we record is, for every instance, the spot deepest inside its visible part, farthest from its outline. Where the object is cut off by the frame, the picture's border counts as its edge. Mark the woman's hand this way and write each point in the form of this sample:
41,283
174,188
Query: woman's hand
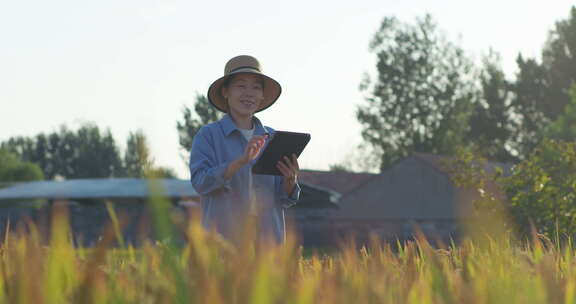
253,148
289,168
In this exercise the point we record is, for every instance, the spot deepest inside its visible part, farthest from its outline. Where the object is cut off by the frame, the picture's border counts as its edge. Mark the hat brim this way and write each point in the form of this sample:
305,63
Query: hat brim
272,90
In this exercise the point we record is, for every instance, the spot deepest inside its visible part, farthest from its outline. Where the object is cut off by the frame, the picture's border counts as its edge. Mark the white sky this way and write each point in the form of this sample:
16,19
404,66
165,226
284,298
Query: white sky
133,64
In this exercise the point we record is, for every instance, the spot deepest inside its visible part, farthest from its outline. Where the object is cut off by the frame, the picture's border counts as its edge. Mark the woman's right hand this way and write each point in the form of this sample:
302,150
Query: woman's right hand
253,148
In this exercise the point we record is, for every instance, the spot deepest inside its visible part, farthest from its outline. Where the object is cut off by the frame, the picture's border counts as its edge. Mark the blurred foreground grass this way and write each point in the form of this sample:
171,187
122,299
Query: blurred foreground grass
485,268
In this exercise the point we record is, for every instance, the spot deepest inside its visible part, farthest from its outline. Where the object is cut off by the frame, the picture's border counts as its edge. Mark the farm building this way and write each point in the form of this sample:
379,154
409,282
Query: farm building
85,199
415,193
312,224
88,214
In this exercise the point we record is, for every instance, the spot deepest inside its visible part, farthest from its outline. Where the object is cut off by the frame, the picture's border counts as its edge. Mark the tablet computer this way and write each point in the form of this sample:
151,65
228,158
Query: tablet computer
281,144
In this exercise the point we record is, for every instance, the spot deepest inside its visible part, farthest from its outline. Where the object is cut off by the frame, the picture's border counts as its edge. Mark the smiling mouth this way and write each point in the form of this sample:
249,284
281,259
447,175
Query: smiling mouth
247,102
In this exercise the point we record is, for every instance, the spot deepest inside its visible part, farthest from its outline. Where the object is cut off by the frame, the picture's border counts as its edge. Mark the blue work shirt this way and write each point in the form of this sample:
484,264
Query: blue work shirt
226,202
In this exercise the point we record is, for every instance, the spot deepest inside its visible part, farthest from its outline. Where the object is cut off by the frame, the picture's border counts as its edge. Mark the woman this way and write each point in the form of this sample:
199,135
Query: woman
224,152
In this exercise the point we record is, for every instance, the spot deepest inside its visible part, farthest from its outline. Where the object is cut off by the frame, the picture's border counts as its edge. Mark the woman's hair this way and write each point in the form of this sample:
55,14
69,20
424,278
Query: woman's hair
227,81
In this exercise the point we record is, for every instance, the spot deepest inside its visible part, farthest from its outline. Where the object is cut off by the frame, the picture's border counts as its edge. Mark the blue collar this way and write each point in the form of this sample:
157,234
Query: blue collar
228,125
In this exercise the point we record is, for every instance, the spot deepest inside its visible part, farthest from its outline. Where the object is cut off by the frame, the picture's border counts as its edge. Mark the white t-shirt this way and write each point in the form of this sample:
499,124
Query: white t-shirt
248,135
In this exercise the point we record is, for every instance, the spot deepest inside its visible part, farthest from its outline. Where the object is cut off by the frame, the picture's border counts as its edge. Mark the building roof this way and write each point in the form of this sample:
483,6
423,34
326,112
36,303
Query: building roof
442,163
416,187
339,181
96,189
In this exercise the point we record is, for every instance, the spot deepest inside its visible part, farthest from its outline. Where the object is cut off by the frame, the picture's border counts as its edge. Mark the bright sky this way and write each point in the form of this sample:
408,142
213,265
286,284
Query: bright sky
133,64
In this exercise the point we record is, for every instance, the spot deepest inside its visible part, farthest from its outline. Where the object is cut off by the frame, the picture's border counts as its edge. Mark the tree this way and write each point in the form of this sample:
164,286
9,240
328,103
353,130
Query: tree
491,123
12,169
542,90
137,158
530,94
422,97
204,113
564,127
86,153
93,154
542,189
539,192
559,61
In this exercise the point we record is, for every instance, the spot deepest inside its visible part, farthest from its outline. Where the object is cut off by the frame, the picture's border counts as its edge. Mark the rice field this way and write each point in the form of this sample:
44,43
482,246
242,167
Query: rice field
489,266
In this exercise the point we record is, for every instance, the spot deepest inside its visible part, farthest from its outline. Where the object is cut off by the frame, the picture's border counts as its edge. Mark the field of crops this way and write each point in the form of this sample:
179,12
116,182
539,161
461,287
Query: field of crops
490,268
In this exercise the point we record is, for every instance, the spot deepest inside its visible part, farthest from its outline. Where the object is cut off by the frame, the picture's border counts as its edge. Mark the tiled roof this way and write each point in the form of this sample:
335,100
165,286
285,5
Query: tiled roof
339,181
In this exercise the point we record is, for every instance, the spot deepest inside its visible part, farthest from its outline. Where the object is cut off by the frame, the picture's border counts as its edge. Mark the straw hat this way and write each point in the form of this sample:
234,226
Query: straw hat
243,64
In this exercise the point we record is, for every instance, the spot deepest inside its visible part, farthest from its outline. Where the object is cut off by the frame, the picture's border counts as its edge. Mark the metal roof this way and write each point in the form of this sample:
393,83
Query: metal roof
97,189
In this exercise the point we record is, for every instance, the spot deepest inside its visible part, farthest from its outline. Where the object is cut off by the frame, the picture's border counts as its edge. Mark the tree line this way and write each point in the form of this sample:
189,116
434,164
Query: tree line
428,96
87,152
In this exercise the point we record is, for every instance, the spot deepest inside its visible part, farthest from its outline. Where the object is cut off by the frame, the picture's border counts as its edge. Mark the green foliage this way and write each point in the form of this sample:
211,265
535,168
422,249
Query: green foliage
467,168
137,158
96,154
559,61
204,113
542,189
564,127
539,192
530,95
542,90
423,93
86,153
491,124
428,97
12,169
482,181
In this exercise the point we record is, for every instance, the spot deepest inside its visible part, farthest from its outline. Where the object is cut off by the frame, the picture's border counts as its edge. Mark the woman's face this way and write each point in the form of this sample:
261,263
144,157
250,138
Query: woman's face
244,93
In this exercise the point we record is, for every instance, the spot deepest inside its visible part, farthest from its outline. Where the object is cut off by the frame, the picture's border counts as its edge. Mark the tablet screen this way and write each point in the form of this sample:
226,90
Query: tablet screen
282,143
